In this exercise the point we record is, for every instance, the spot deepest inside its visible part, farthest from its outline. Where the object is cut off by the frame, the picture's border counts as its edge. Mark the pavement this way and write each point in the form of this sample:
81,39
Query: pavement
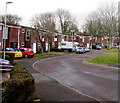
48,89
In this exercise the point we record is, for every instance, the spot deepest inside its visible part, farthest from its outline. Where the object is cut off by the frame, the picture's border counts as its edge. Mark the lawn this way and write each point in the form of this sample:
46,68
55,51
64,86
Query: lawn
43,55
104,59
114,50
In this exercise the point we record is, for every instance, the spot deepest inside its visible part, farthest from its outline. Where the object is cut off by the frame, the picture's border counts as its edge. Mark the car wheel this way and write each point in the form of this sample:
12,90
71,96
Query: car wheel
26,56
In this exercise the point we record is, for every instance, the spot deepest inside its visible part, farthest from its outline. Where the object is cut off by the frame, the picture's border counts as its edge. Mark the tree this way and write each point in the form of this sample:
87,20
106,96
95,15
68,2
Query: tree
103,22
45,21
11,19
66,21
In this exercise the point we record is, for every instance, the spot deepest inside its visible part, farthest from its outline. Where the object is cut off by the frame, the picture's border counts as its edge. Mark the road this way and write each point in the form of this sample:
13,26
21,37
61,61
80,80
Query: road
99,82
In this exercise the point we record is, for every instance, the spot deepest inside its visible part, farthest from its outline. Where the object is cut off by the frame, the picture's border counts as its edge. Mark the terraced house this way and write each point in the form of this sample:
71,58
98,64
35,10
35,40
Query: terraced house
21,36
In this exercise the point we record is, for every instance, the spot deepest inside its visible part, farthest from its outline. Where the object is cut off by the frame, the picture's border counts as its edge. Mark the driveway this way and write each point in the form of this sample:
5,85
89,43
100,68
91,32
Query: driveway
99,82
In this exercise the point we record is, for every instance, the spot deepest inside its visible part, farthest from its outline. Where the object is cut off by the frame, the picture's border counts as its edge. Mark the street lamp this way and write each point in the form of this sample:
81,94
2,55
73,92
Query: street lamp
5,31
72,34
72,38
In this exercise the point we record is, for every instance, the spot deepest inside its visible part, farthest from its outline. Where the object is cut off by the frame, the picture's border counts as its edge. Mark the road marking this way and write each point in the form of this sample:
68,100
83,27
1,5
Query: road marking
33,65
61,82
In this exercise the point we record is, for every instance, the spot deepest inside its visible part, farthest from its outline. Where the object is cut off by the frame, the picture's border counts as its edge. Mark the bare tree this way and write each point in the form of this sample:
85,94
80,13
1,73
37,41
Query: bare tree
109,21
103,22
45,21
11,19
66,21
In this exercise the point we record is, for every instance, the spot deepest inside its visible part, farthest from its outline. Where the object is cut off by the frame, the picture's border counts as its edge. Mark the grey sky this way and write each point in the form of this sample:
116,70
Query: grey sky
28,8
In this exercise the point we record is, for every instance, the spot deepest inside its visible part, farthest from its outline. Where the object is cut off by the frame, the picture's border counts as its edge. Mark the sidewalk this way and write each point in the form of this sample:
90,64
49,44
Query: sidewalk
48,89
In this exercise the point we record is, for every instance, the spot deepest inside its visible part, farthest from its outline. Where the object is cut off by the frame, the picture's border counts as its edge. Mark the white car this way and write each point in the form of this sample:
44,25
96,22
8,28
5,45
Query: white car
4,62
86,49
80,50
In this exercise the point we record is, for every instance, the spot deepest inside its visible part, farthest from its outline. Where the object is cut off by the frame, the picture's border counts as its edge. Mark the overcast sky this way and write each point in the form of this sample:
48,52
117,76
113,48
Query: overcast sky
28,8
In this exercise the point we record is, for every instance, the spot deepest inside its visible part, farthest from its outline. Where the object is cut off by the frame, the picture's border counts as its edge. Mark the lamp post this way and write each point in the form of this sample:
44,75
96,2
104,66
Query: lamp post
72,38
5,30
72,34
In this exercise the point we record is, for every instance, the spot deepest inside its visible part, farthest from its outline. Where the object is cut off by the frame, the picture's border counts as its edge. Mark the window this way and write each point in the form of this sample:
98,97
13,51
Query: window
63,43
22,49
27,38
27,35
30,50
16,50
0,27
22,44
55,38
77,37
9,49
23,30
43,39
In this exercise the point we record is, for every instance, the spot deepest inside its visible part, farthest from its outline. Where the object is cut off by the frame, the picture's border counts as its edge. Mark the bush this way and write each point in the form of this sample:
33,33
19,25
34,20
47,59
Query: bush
10,57
20,88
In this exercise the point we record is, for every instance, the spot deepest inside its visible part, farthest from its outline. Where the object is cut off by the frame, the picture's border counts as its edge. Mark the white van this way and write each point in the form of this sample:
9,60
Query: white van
65,45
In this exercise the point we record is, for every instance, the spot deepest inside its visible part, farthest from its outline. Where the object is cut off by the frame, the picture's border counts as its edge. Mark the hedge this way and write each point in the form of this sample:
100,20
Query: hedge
20,87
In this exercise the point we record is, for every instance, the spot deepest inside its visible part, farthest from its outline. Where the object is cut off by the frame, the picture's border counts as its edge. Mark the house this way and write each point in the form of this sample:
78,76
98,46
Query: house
22,36
18,36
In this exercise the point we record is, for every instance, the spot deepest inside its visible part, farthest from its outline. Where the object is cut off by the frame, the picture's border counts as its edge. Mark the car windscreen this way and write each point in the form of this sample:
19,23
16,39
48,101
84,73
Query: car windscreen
16,50
9,49
30,50
22,49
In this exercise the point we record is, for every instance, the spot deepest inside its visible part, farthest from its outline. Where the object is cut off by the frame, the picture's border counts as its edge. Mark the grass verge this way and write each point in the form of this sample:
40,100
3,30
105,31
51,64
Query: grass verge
104,59
114,50
43,55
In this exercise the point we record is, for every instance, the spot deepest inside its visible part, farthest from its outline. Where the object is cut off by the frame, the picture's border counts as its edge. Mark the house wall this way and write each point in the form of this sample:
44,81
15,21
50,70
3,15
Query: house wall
12,40
16,34
22,37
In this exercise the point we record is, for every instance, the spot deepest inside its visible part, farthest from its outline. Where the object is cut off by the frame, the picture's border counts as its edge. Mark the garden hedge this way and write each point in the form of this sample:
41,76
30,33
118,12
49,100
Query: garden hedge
20,87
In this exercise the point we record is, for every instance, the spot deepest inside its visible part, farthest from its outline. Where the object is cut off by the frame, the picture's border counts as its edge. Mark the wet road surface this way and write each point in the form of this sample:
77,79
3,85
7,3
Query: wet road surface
96,81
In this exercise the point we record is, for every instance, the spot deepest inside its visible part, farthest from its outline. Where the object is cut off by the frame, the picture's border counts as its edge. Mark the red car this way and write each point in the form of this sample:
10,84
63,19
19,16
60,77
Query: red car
27,52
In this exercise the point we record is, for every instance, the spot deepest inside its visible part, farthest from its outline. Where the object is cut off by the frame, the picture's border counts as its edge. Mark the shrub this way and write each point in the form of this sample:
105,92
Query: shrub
10,57
20,88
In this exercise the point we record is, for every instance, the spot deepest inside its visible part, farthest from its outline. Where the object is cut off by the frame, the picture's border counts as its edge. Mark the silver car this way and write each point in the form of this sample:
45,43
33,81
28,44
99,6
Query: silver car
80,50
4,62
86,49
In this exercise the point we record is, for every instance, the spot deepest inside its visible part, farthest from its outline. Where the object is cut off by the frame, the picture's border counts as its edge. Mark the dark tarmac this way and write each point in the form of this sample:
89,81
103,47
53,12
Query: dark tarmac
48,89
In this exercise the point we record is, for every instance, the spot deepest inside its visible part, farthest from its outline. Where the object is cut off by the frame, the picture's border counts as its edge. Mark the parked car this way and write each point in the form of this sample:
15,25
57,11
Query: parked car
97,47
80,50
115,46
27,52
4,62
16,51
86,49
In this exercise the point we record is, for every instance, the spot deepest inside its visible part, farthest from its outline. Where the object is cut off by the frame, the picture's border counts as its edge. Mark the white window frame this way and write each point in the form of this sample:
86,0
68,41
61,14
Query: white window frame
27,35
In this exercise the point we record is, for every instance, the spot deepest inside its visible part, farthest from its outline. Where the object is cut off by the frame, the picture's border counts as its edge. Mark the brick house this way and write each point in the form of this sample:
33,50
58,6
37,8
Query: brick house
21,36
18,37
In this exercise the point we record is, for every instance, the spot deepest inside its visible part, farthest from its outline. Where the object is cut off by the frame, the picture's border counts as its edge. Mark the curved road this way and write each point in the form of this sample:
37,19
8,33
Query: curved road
96,81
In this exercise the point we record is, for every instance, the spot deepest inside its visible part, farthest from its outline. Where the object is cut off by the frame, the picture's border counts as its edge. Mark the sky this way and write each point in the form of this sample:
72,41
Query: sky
26,9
